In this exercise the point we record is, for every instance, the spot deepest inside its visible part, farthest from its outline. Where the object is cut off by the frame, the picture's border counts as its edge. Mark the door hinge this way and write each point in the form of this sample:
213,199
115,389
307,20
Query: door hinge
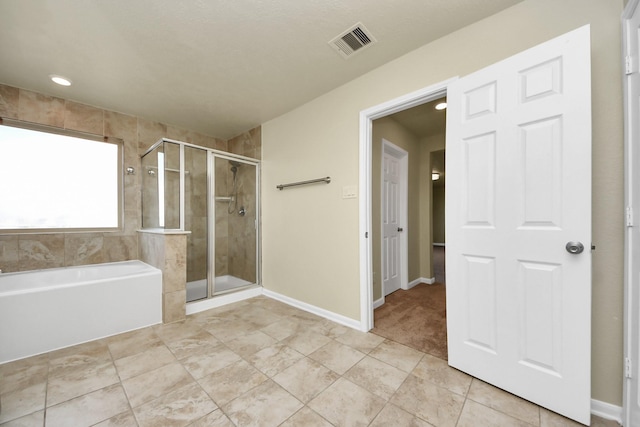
629,67
629,216
627,368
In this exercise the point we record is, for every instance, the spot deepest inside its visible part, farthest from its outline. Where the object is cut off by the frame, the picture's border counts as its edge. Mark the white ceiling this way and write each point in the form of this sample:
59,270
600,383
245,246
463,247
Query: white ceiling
218,67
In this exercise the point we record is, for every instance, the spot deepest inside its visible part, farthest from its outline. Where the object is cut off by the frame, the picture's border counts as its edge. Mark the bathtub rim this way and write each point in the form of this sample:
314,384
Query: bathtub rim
146,269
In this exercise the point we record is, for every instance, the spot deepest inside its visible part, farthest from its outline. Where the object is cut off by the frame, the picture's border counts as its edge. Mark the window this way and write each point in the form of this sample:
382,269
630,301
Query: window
55,181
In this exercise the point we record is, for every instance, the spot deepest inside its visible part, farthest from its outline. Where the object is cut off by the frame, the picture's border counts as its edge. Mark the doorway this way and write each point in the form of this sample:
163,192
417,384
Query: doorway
409,301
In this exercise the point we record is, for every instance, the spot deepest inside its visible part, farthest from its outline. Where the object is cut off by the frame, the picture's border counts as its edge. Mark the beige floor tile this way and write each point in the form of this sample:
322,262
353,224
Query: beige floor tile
273,306
23,373
306,379
282,329
265,405
205,363
504,402
198,343
178,330
429,402
177,408
228,330
133,342
346,404
337,357
398,355
439,372
216,418
475,414
250,343
306,342
329,329
259,316
391,415
362,341
35,419
307,418
134,365
377,377
67,360
89,409
17,404
229,383
275,358
84,379
155,383
125,419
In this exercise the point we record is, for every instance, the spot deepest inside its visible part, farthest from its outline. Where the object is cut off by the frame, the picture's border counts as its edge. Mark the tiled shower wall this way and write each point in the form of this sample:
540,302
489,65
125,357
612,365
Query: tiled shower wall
242,231
35,251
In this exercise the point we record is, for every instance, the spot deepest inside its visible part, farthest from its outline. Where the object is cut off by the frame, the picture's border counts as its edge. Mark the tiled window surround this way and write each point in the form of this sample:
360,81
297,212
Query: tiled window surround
21,252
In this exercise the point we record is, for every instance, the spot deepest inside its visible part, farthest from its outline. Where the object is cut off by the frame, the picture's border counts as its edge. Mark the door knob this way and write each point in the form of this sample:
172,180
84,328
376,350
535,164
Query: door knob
574,247
399,229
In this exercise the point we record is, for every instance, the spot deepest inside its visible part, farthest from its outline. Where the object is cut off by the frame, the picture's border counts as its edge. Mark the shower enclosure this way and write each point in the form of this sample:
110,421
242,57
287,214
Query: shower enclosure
214,196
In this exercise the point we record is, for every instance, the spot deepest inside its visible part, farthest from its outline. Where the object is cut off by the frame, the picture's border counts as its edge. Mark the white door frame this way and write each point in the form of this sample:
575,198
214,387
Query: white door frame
390,148
631,341
367,116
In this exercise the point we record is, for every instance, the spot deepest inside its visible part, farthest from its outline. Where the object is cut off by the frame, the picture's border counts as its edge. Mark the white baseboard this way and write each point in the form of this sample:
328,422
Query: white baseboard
606,410
334,317
377,303
419,280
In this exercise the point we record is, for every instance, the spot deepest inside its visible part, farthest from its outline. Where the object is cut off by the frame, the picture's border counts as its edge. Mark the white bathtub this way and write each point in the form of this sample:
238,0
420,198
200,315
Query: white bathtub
45,310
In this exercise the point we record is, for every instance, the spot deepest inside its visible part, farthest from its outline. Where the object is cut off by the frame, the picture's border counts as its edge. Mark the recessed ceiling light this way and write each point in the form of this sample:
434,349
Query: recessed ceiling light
441,106
62,81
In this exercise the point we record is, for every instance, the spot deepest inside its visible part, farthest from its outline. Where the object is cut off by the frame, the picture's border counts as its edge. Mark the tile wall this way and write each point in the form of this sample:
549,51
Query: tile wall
37,251
21,252
242,232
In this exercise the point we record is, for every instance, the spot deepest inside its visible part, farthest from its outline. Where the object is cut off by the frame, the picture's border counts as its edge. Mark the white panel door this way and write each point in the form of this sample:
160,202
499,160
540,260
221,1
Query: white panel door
391,229
518,190
632,260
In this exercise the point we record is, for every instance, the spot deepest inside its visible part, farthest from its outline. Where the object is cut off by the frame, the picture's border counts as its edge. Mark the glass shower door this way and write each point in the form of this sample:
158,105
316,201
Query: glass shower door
196,213
235,229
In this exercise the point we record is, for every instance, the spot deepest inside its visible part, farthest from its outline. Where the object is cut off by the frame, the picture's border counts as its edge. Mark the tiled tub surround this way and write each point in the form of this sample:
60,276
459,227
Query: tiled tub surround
254,363
50,309
36,251
166,250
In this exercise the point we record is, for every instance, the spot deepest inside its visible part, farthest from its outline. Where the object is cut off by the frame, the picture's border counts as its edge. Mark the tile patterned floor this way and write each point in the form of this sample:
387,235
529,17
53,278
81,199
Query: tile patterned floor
253,363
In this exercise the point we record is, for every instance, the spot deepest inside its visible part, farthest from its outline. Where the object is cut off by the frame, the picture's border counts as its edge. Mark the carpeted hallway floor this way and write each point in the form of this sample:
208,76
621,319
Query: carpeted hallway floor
417,317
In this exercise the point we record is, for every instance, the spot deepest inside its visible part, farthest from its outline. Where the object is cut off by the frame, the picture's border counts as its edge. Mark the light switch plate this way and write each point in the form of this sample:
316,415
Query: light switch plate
349,192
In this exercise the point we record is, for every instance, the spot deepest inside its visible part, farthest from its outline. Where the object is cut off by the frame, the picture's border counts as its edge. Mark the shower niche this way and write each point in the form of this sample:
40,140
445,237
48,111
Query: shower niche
212,196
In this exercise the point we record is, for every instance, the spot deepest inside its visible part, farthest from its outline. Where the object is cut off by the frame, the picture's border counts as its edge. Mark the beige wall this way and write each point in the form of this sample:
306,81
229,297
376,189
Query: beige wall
311,237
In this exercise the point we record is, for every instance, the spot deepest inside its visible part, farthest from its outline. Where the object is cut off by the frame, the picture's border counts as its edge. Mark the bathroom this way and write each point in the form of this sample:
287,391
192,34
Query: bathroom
23,252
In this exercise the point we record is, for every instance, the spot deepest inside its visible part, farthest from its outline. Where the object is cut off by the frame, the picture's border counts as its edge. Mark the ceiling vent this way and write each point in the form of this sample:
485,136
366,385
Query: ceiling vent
355,39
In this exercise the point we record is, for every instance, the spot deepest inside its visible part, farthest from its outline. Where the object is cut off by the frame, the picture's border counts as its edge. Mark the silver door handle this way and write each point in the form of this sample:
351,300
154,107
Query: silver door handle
400,229
574,248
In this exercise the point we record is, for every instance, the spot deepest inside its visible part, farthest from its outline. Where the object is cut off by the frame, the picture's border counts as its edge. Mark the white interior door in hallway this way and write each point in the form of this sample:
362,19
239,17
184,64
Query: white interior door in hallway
518,224
393,214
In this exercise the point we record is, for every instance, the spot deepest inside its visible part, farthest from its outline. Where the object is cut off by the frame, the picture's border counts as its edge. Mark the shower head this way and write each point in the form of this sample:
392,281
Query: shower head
234,166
